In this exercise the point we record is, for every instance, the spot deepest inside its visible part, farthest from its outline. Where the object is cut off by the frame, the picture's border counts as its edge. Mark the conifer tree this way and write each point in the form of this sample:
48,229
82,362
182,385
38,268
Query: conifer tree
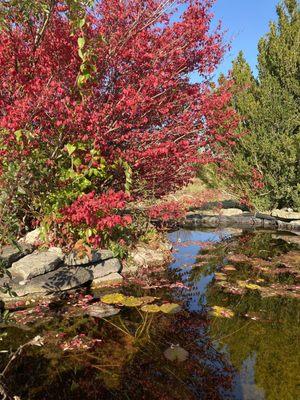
265,165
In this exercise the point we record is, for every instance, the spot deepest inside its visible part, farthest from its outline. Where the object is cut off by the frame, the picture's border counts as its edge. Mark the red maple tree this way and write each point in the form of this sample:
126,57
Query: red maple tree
119,84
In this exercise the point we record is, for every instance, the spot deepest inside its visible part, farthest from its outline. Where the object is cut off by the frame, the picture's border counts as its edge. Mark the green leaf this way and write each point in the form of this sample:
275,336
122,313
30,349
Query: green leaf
18,135
81,42
70,148
77,161
84,183
82,56
88,233
81,23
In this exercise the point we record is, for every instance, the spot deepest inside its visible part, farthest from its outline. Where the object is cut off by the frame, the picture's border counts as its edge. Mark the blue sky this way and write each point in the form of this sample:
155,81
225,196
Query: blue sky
245,21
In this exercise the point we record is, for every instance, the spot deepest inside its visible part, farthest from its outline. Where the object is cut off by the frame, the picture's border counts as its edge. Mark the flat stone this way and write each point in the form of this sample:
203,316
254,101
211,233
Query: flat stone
242,220
73,258
223,211
37,263
111,279
104,268
10,254
228,212
64,278
286,215
101,310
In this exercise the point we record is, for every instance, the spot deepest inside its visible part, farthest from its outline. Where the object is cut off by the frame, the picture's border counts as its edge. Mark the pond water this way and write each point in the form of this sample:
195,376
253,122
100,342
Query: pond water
236,335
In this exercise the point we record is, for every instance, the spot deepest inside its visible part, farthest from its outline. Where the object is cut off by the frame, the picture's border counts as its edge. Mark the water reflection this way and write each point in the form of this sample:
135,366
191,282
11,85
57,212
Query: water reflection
251,352
262,340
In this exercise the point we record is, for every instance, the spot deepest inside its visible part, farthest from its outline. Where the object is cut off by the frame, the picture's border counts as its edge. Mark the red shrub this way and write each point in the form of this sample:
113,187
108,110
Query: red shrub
125,93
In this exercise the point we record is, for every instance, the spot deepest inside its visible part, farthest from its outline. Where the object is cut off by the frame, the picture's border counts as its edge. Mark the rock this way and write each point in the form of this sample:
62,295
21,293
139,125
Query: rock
228,212
32,237
242,220
143,256
10,254
64,278
111,279
288,238
104,268
97,255
101,310
233,232
286,215
37,263
295,225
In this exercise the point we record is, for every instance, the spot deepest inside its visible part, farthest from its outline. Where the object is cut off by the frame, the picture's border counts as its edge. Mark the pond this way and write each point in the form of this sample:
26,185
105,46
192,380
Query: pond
222,322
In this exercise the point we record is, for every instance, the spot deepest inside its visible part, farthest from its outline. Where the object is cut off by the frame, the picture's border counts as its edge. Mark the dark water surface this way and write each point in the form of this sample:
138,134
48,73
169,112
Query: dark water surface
236,337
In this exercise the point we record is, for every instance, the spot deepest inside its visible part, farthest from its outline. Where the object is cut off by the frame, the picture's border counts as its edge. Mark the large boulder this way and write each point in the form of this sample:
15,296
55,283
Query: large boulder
10,254
96,256
37,263
61,279
104,268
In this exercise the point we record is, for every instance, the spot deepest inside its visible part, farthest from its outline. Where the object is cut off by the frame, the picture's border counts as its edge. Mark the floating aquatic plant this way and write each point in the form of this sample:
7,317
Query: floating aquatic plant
221,312
176,353
131,301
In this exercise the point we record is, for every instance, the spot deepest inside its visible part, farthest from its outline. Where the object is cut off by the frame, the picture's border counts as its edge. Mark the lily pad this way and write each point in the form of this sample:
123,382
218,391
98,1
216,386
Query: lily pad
170,308
176,353
114,298
148,299
221,312
151,308
132,301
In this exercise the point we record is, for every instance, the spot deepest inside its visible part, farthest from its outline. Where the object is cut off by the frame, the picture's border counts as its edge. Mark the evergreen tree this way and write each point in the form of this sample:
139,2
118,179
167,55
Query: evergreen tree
266,161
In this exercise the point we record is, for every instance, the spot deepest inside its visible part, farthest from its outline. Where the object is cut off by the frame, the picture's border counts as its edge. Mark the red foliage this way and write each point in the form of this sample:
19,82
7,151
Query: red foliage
139,104
257,179
167,211
99,213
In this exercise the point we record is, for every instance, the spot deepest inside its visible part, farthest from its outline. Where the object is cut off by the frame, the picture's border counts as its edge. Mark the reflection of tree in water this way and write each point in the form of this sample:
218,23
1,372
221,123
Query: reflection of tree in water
205,375
271,338
122,367
265,349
